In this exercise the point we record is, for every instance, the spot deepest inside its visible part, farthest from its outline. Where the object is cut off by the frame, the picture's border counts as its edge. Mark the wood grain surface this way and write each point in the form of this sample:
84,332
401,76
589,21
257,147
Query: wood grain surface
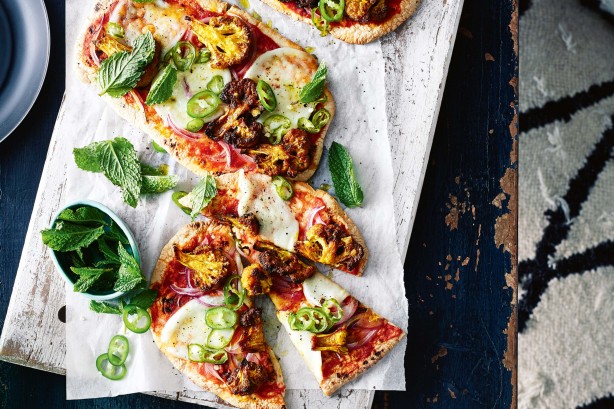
461,343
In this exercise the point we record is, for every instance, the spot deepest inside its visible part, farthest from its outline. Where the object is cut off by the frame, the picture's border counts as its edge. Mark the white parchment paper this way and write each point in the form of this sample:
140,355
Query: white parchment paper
356,79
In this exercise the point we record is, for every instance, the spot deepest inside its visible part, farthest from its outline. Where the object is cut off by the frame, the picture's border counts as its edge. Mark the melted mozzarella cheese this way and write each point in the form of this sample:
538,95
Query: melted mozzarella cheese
196,79
302,342
186,326
318,288
167,24
258,196
286,70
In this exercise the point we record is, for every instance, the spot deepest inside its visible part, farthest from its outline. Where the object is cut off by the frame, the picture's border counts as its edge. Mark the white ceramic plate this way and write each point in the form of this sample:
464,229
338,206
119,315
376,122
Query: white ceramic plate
24,56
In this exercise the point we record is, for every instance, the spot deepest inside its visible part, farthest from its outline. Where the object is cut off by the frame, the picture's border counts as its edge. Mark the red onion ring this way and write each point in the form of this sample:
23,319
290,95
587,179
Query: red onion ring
256,358
192,292
349,309
210,370
182,132
210,301
363,340
241,252
312,217
370,324
228,151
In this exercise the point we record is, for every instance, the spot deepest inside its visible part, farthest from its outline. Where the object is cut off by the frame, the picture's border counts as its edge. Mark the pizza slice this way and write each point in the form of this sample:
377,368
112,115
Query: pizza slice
353,21
217,89
294,218
205,324
337,336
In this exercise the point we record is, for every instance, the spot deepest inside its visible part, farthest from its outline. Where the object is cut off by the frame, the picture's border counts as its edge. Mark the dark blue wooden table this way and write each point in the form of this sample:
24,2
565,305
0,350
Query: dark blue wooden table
461,262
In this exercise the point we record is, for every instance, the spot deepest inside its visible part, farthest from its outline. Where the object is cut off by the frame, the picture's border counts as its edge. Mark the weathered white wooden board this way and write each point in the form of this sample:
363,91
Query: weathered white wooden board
417,58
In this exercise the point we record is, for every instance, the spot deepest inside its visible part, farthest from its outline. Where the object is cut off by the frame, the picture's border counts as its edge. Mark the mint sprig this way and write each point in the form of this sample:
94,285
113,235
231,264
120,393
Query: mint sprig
118,161
88,276
341,168
144,299
162,86
313,90
202,194
119,73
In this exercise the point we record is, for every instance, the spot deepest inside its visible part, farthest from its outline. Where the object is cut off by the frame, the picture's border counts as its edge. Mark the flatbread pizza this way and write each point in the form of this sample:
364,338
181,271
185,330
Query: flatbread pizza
353,21
216,88
206,325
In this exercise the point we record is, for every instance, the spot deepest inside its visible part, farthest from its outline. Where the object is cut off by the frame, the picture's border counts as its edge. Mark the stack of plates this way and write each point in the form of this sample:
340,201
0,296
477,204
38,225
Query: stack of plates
24,55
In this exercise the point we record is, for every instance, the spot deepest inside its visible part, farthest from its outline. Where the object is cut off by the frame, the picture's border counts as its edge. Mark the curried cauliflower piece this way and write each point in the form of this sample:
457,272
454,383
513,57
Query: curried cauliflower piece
247,223
209,265
330,244
292,156
111,45
238,126
366,10
245,379
255,280
335,341
283,263
227,37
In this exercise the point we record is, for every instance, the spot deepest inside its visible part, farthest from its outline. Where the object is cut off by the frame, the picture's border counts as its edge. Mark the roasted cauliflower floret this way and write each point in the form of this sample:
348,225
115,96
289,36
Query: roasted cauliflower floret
209,265
238,126
292,156
111,45
245,379
360,10
335,341
227,37
242,95
330,244
283,263
247,223
256,280
253,338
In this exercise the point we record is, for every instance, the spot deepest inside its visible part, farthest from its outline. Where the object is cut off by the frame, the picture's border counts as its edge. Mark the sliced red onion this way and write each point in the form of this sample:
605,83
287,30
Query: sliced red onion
256,358
241,252
183,132
239,263
312,217
228,151
138,100
363,340
192,292
210,370
349,309
370,324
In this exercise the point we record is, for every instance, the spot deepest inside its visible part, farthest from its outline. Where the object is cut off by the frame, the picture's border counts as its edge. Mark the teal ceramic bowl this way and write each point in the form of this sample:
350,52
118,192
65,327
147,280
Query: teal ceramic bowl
62,264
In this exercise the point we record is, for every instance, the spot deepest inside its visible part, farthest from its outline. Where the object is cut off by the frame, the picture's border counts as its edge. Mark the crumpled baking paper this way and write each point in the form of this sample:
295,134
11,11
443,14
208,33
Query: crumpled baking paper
356,79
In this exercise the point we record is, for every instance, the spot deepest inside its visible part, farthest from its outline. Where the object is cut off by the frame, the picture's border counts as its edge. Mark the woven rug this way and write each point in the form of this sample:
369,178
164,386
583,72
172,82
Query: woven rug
566,205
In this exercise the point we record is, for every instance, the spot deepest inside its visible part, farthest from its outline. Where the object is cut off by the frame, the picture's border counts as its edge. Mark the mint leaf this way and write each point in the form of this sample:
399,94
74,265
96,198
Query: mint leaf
115,233
162,86
86,158
312,91
111,257
129,272
118,161
120,72
145,298
341,168
66,236
85,214
104,307
202,194
159,184
87,277
121,166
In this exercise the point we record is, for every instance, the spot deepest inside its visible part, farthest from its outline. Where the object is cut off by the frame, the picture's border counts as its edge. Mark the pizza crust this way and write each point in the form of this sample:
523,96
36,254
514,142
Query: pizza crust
330,385
359,33
191,369
133,112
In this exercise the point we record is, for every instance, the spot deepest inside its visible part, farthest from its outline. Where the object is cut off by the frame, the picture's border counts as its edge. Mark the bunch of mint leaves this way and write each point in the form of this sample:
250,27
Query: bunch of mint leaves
94,246
118,161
